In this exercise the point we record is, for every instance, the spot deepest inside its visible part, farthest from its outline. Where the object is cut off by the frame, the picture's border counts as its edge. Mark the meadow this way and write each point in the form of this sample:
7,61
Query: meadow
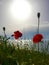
14,55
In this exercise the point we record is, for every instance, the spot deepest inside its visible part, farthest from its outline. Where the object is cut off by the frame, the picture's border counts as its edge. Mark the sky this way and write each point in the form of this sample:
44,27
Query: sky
29,25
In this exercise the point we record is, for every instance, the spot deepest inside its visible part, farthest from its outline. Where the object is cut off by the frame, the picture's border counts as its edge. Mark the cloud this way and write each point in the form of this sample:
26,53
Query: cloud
28,25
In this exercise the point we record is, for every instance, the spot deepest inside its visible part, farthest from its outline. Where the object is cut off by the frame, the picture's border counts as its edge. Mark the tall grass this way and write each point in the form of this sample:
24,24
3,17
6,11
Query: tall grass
13,55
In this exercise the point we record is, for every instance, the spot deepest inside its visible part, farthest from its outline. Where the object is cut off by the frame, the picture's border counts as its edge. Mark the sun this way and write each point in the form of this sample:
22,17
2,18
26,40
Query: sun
20,9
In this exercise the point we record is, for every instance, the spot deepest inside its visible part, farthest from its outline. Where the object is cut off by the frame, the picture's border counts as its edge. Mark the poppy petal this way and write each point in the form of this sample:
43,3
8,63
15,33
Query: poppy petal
37,38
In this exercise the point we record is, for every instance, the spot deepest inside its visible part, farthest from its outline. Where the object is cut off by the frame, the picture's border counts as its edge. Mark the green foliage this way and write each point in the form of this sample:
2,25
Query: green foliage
11,56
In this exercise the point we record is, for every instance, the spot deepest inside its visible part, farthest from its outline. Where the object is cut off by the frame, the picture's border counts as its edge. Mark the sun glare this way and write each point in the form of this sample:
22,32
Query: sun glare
20,9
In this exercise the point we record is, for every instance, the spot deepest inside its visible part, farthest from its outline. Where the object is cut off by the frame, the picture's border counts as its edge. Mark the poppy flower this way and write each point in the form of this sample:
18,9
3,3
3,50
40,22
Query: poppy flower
17,34
37,38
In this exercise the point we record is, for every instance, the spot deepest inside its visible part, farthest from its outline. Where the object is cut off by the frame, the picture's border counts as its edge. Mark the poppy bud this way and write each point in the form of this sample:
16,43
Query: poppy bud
38,15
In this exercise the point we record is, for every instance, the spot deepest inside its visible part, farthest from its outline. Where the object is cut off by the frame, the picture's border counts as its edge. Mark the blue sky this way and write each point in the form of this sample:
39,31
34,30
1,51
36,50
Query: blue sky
29,26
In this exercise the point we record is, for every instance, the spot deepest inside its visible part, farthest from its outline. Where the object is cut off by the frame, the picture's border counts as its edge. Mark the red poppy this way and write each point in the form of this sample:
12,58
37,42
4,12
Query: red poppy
37,38
17,34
